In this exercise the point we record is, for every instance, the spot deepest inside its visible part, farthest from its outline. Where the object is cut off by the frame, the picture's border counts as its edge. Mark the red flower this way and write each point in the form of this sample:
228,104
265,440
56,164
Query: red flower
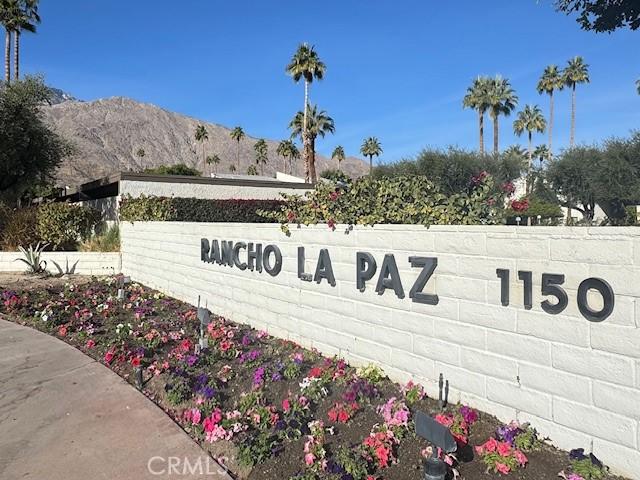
331,224
291,216
286,405
225,345
62,330
108,357
334,196
90,343
315,372
185,345
135,361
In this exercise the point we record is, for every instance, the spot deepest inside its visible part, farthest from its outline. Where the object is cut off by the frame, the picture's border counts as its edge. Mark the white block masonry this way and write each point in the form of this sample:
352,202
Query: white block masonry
577,381
88,263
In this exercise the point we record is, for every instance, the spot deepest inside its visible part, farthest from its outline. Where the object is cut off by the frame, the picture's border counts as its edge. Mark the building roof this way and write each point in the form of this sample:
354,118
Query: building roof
109,186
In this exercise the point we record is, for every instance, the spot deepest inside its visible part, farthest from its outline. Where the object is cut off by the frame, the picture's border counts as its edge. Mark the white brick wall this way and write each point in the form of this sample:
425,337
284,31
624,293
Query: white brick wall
578,382
89,263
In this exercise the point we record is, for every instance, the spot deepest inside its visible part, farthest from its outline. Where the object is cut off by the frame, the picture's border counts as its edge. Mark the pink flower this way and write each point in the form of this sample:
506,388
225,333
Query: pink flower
196,416
520,457
90,343
309,458
491,445
216,416
286,405
502,468
504,449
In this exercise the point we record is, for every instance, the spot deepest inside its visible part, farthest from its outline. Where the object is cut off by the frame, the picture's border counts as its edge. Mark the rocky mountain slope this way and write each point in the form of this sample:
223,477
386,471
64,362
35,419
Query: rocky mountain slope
109,136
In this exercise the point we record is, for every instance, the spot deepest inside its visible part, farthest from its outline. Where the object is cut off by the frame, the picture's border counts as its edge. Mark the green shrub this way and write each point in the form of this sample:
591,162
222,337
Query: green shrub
62,225
108,241
177,169
398,200
152,208
335,175
20,229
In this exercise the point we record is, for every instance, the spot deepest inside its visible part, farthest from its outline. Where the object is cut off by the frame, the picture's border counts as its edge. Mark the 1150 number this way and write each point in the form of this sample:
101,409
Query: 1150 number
551,286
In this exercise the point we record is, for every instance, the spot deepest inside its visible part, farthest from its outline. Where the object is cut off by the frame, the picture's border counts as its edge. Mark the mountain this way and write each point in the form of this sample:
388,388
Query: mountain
59,96
109,135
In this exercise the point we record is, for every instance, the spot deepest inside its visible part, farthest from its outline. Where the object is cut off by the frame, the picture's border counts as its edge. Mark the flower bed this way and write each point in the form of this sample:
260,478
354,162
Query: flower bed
270,409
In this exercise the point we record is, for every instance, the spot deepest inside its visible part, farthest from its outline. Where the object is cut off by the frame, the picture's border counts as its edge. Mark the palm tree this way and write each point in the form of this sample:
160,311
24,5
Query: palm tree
17,16
283,150
318,123
213,160
251,170
262,155
237,134
551,80
306,64
502,100
288,150
338,154
200,136
371,147
530,120
477,99
638,86
575,72
515,150
232,168
542,153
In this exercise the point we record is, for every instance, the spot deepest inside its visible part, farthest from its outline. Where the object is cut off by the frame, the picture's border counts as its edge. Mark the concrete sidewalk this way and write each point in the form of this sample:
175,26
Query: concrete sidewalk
63,416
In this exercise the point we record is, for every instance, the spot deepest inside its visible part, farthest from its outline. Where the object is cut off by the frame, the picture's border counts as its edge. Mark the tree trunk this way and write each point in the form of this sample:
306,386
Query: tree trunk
305,141
495,134
530,155
550,123
339,163
573,116
481,127
7,57
311,154
370,164
16,56
238,154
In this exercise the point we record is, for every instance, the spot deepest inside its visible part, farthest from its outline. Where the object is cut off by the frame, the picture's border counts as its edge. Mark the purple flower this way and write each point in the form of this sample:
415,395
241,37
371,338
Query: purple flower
258,376
508,433
577,454
191,360
246,340
469,414
207,392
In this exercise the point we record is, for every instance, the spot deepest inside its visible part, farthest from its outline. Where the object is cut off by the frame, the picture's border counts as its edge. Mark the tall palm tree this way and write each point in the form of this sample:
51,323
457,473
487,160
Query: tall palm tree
318,123
17,16
237,134
371,147
283,150
306,64
232,168
502,100
201,135
530,120
575,72
551,80
477,99
338,154
213,160
262,156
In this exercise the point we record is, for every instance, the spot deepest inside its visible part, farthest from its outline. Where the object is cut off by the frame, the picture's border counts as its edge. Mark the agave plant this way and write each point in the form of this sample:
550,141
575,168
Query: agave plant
32,258
67,270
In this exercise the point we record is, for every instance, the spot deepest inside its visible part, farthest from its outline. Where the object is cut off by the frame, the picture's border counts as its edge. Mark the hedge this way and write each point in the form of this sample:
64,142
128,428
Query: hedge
177,209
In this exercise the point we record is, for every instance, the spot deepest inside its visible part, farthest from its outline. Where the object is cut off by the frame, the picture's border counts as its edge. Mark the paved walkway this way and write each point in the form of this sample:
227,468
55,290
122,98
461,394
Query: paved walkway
64,416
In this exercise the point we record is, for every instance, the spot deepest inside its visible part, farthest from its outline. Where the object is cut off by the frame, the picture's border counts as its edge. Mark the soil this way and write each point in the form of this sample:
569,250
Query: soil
166,313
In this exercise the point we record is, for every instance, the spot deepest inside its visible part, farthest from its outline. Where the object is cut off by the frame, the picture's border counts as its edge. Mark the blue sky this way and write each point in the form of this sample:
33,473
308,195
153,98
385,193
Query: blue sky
395,69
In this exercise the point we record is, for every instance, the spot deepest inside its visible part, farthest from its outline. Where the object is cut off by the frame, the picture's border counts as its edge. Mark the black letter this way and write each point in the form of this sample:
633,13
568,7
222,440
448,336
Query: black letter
365,269
528,290
324,268
254,257
204,250
550,286
215,256
236,255
227,253
428,265
608,299
306,277
275,270
389,277
503,275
